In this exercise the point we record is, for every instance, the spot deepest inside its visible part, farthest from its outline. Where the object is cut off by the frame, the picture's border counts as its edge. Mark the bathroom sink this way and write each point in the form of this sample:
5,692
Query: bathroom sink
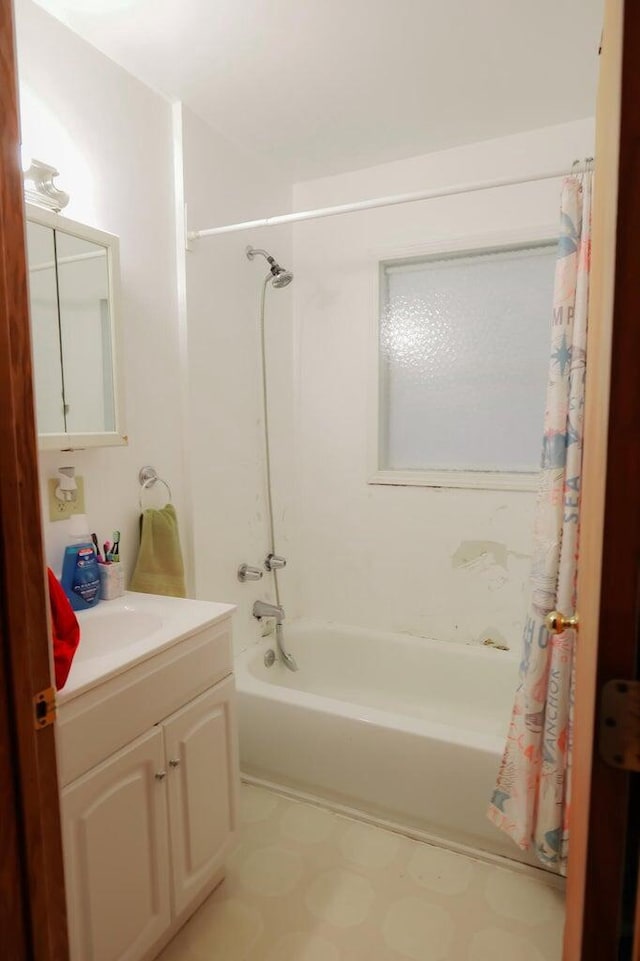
102,632
117,634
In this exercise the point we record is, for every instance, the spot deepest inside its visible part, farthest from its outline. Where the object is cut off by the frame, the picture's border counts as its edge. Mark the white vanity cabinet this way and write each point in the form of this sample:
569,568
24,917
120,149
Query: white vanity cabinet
201,790
147,827
116,847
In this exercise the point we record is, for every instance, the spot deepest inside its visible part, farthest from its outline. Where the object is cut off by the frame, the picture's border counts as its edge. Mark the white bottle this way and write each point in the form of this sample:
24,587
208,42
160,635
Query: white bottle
78,530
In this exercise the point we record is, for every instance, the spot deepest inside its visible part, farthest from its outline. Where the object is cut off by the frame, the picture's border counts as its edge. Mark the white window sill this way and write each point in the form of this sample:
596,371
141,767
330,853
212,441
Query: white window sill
476,480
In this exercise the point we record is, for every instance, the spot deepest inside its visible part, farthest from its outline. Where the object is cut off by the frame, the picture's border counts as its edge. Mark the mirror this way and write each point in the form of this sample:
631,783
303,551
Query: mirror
72,284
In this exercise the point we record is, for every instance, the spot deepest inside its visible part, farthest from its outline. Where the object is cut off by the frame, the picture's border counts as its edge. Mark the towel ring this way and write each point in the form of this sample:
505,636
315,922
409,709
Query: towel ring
148,477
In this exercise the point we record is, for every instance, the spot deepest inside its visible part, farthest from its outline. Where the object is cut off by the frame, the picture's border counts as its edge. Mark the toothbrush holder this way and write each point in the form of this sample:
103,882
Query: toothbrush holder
111,581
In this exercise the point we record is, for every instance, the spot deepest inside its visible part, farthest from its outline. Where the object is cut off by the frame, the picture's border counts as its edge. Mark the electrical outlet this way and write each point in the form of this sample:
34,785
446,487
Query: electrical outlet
61,510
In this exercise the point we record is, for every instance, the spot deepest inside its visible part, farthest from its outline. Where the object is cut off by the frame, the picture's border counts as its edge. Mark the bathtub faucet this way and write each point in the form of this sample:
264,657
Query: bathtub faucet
263,609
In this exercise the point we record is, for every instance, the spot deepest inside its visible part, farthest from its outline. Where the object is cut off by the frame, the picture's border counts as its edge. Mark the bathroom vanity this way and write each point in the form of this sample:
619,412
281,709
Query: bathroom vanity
148,769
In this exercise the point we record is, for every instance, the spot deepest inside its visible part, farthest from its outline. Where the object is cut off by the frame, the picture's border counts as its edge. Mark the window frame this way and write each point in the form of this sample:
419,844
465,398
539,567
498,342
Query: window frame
494,241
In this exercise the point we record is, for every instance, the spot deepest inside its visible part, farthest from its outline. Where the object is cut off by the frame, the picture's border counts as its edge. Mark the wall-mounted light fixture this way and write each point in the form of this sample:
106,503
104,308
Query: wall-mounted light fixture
40,189
67,489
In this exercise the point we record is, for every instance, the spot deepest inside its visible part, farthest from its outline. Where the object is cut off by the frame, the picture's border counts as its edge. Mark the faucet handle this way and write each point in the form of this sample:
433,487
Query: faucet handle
273,562
247,573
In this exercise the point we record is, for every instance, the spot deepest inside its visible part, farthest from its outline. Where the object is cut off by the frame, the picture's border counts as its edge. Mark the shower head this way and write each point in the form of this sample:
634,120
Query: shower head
282,279
279,276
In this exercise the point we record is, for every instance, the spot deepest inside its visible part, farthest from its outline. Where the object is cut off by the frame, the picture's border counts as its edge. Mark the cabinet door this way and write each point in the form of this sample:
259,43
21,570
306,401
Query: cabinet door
45,329
117,854
201,750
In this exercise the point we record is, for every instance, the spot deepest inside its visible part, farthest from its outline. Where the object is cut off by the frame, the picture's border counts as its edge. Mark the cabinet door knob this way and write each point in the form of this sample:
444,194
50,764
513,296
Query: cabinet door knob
161,775
174,762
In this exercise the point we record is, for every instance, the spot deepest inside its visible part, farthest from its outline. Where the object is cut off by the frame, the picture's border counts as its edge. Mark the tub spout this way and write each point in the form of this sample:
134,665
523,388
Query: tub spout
263,609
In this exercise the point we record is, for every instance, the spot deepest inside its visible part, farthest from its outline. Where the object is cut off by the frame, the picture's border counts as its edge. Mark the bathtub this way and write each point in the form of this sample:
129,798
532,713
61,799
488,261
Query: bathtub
403,729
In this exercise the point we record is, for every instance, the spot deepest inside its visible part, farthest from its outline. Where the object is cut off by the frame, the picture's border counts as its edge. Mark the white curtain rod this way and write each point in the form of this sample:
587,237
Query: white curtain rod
386,201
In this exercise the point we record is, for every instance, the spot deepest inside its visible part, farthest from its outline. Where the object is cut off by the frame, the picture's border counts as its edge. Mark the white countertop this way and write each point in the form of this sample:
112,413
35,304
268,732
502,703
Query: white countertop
117,634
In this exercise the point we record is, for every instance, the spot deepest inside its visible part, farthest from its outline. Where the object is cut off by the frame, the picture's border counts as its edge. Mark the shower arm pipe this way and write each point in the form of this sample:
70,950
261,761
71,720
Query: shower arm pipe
390,201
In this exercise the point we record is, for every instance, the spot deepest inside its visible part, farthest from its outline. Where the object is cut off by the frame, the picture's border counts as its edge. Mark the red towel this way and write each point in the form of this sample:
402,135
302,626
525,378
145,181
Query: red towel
65,629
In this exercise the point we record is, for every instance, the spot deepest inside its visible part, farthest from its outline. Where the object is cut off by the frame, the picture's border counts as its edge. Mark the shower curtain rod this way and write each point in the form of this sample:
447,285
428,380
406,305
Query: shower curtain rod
390,201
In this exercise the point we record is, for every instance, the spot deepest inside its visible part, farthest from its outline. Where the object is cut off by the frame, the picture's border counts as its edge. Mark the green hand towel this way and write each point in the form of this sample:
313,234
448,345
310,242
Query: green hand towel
159,568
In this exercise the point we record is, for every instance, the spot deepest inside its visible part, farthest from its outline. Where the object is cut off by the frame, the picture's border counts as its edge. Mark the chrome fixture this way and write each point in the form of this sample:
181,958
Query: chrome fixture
279,276
287,659
264,609
40,189
148,477
247,573
269,657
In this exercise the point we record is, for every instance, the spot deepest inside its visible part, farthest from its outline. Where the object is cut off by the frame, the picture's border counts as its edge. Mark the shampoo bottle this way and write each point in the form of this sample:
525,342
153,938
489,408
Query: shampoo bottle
80,573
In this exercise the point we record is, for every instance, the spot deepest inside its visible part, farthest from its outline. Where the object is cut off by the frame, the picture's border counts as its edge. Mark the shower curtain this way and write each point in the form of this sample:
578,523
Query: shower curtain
532,795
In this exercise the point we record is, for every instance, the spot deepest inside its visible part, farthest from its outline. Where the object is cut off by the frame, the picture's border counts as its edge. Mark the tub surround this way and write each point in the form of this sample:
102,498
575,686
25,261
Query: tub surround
227,488
437,562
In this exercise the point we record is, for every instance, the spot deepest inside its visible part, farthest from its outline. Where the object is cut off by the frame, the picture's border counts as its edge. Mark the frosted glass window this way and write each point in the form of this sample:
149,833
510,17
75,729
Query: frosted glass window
464,347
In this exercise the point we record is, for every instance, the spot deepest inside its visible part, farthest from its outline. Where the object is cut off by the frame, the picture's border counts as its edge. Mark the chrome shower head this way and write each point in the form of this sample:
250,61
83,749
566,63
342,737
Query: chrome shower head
279,276
282,278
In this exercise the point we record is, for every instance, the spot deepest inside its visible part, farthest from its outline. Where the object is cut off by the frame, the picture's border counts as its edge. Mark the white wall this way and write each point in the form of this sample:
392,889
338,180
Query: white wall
111,139
399,558
396,558
223,430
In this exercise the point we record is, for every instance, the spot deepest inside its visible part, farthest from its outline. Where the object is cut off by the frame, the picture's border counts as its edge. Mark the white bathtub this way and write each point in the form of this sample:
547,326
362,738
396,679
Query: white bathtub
405,729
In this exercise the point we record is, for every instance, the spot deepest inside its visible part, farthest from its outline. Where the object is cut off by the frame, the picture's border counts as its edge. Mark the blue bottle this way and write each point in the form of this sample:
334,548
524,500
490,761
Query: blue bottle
80,576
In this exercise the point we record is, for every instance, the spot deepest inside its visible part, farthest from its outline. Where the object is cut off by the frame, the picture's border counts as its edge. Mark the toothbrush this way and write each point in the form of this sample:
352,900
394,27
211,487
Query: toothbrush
115,550
106,546
94,538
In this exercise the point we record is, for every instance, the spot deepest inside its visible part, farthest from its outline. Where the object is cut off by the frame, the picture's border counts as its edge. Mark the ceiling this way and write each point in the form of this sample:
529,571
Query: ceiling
324,86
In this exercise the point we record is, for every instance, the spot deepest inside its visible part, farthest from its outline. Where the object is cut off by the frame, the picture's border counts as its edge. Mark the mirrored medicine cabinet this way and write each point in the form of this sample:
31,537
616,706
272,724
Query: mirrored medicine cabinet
73,275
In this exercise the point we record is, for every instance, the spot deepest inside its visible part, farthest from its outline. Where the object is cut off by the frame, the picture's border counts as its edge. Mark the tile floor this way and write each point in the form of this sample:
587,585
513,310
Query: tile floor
306,884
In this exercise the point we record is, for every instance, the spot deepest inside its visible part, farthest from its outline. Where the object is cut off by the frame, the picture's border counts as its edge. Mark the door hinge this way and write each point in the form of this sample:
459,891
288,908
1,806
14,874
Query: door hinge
44,708
620,724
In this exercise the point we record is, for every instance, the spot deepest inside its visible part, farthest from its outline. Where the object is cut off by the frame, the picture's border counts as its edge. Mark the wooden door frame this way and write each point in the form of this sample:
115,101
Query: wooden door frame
610,548
32,893
34,912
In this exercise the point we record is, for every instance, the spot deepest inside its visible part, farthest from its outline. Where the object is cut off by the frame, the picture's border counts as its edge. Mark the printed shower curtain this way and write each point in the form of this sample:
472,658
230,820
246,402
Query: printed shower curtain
532,795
